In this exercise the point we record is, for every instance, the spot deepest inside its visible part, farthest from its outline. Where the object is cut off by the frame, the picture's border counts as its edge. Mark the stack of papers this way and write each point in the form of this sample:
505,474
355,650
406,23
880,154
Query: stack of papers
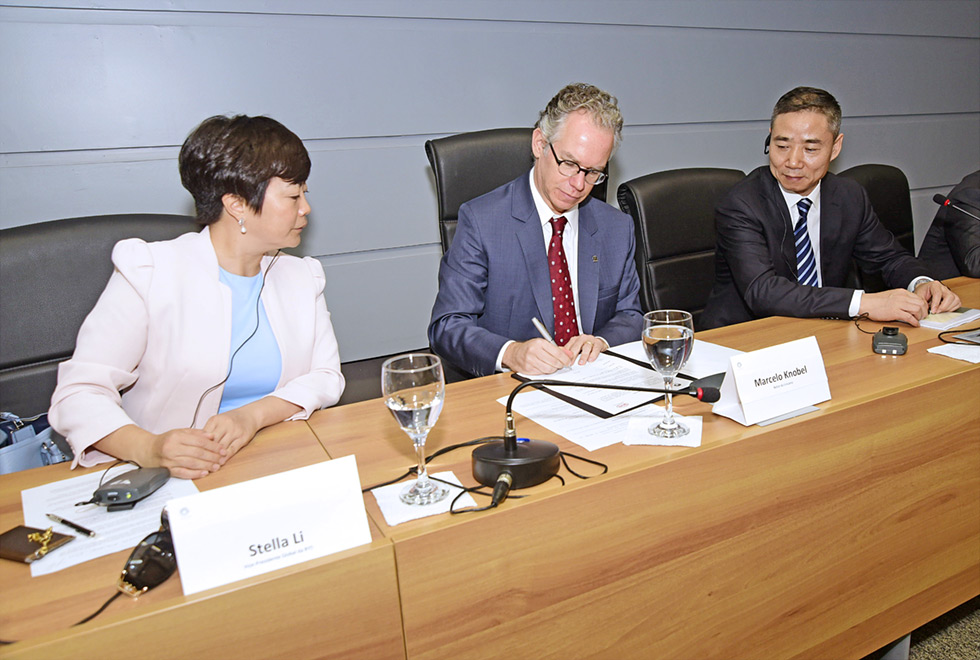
948,320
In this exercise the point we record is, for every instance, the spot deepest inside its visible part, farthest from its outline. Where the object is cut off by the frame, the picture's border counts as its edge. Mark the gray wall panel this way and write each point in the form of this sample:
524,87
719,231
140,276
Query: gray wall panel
380,302
370,194
902,17
126,85
95,100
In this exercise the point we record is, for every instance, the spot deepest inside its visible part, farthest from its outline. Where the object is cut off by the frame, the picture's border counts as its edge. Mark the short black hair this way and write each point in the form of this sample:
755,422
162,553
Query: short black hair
238,155
810,98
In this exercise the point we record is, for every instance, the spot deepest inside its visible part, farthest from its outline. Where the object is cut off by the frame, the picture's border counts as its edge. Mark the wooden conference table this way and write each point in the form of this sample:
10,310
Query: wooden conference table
341,606
824,536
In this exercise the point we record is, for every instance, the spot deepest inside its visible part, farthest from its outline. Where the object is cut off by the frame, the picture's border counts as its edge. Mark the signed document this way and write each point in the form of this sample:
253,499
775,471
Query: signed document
607,370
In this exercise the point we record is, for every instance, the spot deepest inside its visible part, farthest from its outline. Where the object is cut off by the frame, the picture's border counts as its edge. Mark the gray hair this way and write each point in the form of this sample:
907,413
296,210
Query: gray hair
600,105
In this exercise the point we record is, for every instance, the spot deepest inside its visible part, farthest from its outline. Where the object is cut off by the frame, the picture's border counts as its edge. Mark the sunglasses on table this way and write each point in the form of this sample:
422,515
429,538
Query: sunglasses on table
151,563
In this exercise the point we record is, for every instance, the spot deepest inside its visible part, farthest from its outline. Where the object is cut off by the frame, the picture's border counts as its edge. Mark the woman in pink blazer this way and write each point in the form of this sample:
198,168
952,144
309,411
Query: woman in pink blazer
198,343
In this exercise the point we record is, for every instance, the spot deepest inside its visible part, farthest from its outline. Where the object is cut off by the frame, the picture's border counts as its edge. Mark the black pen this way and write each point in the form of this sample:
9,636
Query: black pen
75,526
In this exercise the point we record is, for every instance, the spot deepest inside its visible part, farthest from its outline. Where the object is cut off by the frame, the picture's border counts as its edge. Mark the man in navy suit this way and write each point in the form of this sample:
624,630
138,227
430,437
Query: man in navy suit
786,234
540,247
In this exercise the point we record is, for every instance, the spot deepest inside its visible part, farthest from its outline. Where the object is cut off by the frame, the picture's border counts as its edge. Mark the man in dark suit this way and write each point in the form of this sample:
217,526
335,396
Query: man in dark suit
952,244
786,233
540,247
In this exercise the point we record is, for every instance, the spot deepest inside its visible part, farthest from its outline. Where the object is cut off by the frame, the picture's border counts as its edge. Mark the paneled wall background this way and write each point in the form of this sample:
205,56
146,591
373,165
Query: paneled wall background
96,98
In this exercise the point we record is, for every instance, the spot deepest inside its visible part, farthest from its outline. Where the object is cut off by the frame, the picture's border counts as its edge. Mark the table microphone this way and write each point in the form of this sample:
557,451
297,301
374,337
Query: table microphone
942,200
531,462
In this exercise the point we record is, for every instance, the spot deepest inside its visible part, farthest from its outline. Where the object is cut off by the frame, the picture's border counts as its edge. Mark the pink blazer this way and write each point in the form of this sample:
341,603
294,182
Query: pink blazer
161,334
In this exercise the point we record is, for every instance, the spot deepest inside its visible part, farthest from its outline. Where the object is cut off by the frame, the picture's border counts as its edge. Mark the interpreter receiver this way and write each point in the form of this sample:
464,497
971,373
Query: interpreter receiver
889,341
124,491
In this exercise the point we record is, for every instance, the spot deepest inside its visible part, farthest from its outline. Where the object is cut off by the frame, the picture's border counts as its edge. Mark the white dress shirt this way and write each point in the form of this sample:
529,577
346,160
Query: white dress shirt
569,242
813,230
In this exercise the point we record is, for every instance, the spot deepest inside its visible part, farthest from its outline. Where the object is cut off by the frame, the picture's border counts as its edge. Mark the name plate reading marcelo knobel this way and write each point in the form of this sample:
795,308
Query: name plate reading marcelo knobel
232,533
773,381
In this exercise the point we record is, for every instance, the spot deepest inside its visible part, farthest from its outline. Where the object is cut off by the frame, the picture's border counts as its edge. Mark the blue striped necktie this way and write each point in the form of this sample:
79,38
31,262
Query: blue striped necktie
806,265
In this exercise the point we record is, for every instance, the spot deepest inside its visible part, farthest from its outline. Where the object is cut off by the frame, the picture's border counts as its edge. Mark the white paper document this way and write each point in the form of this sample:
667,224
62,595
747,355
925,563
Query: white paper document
609,370
570,422
119,530
706,358
246,529
396,512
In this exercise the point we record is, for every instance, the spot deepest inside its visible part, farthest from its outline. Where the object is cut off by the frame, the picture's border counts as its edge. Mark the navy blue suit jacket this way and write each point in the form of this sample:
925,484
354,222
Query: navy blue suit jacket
755,254
494,278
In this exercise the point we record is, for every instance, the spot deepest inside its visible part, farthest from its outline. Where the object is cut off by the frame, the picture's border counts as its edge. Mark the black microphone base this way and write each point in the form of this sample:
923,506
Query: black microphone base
533,462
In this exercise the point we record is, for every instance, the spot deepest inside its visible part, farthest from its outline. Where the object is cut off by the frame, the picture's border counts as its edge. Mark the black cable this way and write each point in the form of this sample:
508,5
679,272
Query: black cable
105,473
85,620
496,494
857,322
414,469
100,610
500,489
959,331
563,454
231,361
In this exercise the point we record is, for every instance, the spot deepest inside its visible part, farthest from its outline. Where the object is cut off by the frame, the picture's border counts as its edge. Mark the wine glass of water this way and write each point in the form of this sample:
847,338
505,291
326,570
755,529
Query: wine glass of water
668,336
414,389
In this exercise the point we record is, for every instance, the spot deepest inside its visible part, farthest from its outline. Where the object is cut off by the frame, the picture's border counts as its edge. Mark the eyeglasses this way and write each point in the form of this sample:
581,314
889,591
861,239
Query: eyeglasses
151,563
571,168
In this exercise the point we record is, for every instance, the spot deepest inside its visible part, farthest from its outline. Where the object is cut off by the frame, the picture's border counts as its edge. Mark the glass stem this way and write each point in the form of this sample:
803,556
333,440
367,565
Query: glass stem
423,475
669,408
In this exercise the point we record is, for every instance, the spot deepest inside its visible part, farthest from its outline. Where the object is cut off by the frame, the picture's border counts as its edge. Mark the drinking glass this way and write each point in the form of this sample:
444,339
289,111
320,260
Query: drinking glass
414,389
668,336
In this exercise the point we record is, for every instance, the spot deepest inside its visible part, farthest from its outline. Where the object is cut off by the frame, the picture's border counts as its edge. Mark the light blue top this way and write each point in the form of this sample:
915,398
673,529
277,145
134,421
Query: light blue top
256,369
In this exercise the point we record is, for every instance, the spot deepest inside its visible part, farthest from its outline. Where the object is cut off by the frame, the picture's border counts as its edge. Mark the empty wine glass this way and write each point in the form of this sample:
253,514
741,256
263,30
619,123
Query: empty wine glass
668,336
414,389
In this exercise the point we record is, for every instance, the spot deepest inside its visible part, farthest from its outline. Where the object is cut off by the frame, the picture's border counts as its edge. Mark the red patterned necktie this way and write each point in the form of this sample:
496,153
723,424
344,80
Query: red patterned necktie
562,298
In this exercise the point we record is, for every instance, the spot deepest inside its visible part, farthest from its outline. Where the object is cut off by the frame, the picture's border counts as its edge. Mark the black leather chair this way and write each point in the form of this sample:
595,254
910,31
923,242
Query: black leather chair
674,219
468,165
888,189
52,273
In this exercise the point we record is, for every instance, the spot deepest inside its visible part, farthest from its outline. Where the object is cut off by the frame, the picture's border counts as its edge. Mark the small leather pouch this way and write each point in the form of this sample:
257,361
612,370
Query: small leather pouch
27,544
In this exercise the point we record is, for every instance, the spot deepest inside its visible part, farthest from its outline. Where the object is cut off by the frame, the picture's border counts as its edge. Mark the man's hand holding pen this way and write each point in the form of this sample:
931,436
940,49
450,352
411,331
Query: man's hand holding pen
543,356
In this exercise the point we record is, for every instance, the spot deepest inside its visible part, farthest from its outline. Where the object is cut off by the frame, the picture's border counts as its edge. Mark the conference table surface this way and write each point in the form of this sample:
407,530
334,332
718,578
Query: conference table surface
824,536
340,606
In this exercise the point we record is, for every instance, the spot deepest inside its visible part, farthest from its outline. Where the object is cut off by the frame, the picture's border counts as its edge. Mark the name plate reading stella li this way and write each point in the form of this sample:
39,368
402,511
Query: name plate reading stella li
773,381
239,531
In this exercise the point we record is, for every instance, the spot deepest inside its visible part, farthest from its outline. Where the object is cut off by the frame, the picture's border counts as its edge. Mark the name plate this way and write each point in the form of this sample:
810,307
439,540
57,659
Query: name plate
773,381
239,531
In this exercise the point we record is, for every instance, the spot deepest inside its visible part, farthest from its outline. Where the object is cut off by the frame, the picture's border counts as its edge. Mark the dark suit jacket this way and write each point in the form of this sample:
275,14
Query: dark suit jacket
755,256
494,278
952,245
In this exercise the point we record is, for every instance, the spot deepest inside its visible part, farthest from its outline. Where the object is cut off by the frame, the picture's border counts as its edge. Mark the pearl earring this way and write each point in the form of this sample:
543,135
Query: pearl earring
241,223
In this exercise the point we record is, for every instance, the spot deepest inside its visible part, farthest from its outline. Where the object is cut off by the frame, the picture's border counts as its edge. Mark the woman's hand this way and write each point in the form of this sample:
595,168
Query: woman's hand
187,453
232,430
